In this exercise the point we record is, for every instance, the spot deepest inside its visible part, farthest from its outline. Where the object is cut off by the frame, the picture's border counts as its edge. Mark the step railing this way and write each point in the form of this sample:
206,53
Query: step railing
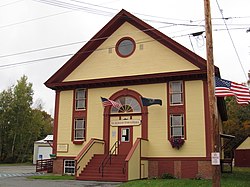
44,165
94,146
108,157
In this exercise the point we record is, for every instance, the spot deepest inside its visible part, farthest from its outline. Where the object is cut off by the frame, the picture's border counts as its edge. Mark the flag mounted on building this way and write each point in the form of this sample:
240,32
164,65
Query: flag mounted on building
108,102
148,101
228,88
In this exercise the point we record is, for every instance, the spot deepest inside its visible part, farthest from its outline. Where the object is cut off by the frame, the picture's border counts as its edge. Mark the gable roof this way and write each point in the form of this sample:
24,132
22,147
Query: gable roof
56,81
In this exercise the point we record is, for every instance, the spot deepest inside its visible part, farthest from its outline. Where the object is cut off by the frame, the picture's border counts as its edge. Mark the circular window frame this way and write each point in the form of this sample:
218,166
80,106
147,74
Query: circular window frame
119,42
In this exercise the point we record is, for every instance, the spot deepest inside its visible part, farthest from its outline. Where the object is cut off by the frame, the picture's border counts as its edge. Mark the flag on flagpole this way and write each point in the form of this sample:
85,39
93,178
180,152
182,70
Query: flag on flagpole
108,102
148,101
228,88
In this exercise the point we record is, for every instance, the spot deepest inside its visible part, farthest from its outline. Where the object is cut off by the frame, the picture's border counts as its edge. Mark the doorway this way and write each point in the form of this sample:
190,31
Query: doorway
125,138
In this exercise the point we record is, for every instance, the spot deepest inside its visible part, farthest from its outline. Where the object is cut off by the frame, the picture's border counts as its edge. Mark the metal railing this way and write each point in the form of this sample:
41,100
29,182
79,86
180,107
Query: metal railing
108,157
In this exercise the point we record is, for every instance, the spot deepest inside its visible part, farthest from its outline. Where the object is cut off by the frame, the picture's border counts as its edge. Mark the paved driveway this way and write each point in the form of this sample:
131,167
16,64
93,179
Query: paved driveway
15,176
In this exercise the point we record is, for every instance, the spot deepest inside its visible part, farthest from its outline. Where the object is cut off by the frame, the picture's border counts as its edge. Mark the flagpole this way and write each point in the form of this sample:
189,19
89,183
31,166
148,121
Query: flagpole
216,173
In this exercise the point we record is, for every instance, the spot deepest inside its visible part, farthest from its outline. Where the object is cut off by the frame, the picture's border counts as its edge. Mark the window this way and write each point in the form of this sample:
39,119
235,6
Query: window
69,167
125,47
80,99
125,135
176,92
79,129
177,125
129,105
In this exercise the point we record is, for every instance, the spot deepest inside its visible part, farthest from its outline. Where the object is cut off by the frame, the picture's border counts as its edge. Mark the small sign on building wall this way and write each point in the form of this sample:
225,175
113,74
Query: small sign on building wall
215,158
62,148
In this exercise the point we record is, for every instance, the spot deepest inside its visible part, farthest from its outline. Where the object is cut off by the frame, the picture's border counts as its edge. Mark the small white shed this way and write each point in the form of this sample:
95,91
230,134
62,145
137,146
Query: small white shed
43,148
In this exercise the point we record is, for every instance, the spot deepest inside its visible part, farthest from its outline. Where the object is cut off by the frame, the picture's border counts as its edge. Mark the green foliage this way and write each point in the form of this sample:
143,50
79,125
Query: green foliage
20,124
167,176
237,123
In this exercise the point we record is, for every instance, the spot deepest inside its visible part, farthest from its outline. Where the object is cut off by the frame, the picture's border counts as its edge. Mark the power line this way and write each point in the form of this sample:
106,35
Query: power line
75,7
4,66
39,18
41,49
11,3
31,61
74,43
236,52
78,42
94,12
63,45
145,40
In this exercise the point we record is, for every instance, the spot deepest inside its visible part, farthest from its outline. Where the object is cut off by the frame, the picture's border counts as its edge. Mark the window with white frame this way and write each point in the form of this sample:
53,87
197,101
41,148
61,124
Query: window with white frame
177,125
79,129
176,92
80,99
69,167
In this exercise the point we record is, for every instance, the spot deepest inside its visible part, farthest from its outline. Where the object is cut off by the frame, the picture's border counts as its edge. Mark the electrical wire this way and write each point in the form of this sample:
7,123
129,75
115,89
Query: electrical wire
236,52
39,18
63,45
10,3
4,66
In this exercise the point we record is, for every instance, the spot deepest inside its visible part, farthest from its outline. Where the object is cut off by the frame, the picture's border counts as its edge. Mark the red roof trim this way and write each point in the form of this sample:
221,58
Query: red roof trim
130,80
110,28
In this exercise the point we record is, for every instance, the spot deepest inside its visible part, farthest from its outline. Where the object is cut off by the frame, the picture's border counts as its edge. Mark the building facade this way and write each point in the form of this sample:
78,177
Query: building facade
128,60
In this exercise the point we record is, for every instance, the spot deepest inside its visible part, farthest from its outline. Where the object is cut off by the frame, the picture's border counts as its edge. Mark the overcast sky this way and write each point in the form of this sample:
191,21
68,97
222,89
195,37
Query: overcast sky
38,36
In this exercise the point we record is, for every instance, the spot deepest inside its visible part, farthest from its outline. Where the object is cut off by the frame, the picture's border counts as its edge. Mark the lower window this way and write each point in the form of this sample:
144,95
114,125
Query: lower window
177,125
69,167
79,129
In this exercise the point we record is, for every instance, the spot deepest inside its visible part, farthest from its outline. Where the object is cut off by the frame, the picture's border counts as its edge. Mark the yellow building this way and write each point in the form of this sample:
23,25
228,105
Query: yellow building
132,137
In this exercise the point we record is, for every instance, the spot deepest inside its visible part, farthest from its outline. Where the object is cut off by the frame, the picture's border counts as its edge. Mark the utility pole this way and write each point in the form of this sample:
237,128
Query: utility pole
215,141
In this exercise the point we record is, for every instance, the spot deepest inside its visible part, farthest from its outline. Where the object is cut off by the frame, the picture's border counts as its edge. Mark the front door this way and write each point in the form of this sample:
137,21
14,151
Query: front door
125,138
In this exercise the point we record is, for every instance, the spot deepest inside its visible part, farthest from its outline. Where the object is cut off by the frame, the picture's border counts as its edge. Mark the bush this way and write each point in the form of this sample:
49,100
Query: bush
167,176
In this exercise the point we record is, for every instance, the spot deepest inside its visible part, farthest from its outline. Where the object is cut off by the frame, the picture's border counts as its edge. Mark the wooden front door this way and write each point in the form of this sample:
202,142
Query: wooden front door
125,138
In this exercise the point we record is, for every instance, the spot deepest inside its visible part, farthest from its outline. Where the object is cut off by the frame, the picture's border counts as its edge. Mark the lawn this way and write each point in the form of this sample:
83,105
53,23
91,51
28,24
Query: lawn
52,177
239,178
17,164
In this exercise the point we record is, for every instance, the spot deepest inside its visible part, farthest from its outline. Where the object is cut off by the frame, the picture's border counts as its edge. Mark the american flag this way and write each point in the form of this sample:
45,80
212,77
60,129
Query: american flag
108,102
228,88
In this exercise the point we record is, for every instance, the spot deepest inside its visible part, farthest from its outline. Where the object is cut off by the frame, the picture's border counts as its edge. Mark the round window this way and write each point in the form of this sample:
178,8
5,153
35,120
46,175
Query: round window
125,47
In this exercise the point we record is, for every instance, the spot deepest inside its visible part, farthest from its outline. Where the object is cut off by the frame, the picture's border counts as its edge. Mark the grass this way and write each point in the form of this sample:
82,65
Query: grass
16,164
239,178
52,177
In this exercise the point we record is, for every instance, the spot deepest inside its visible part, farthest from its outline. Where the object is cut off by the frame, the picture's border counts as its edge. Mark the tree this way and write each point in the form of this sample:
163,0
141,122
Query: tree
6,99
237,123
20,125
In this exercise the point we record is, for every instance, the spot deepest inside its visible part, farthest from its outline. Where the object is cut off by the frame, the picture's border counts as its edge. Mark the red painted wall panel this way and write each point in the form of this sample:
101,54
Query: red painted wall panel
242,158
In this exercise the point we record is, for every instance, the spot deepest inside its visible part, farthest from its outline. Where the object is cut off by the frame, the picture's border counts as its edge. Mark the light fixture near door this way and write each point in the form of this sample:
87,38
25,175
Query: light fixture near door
125,47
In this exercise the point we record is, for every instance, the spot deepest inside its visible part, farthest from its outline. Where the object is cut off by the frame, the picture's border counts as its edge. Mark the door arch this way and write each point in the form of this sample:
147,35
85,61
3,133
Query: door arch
140,110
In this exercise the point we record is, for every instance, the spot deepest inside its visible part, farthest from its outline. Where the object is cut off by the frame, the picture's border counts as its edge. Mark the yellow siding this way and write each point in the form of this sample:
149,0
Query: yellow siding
134,165
245,144
94,115
113,135
136,132
195,118
144,148
65,121
158,144
144,169
102,64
